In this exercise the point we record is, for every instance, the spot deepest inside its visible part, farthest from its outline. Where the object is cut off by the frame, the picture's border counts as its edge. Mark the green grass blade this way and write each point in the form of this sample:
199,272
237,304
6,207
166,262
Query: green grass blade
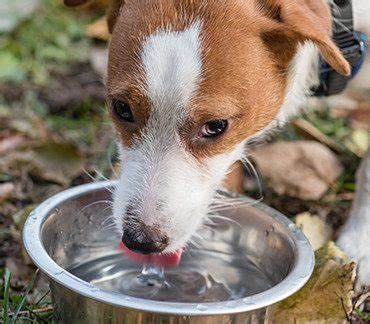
21,303
7,276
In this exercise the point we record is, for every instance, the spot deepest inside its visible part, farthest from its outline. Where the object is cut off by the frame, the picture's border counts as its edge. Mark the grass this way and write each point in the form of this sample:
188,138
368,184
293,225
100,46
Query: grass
363,315
36,313
6,284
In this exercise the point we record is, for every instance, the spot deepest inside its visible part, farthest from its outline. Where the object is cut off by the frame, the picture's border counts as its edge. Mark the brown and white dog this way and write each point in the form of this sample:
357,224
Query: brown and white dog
189,83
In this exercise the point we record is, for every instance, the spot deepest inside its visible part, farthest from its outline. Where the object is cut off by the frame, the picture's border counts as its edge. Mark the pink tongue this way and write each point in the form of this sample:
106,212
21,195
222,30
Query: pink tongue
168,260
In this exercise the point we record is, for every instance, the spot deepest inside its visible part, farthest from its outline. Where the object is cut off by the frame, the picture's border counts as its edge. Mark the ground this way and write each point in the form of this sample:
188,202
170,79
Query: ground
52,110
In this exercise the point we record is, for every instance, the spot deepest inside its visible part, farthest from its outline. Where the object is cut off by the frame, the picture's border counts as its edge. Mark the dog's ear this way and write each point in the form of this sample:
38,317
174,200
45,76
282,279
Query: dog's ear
113,13
297,21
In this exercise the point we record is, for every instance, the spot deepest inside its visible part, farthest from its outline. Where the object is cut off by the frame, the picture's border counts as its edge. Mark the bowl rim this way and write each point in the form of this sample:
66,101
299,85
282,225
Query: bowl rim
297,277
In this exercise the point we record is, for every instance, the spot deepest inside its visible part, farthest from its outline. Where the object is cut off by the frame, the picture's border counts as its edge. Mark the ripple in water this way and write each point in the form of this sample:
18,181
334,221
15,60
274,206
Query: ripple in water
205,276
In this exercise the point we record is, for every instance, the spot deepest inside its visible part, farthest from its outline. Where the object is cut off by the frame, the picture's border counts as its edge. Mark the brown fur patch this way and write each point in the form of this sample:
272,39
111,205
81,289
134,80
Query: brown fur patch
246,48
239,79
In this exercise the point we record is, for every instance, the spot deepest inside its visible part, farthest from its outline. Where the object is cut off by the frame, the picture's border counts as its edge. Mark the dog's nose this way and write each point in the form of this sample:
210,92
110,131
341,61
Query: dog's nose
145,242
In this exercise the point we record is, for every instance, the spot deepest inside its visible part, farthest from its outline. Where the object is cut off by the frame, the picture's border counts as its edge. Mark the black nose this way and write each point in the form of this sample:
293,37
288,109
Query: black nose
144,241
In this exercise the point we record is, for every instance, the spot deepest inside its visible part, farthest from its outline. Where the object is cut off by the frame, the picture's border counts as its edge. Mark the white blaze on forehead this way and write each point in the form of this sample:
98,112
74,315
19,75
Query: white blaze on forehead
172,64
162,181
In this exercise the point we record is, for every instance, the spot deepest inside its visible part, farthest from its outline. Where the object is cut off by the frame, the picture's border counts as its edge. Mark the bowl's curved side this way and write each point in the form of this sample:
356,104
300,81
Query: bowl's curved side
298,276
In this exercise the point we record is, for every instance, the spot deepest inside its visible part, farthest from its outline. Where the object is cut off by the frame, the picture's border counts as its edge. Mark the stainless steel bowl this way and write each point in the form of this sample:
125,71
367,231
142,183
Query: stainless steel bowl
67,229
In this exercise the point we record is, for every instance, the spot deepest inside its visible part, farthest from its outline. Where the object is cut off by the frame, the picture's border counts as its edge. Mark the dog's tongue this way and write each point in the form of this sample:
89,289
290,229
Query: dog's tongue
168,260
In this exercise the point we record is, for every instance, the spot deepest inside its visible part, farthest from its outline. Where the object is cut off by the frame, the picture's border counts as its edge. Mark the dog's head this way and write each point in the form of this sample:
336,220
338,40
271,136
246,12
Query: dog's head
188,83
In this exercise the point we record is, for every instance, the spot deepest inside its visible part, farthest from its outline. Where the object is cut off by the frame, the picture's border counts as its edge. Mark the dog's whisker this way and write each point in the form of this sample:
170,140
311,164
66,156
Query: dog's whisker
95,203
93,179
248,164
237,204
110,153
111,226
102,211
224,218
108,219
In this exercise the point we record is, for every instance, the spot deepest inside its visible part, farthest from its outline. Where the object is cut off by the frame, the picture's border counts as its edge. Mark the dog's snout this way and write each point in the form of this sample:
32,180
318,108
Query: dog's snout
144,240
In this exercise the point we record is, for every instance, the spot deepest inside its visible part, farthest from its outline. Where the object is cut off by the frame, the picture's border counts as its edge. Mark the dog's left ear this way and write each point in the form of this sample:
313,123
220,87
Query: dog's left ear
298,21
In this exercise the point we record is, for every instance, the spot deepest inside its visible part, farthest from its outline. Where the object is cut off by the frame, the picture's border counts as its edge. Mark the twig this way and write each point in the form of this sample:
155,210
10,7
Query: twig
36,311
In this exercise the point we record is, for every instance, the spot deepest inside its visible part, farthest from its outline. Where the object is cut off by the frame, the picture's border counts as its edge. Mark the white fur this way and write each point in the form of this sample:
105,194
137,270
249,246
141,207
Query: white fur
172,64
302,77
168,186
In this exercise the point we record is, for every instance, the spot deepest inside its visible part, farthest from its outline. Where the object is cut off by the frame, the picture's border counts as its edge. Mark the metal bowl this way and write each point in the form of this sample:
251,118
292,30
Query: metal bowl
67,224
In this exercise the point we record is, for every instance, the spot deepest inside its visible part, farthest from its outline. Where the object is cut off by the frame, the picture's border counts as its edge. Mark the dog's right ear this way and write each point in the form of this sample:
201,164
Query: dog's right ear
112,14
297,21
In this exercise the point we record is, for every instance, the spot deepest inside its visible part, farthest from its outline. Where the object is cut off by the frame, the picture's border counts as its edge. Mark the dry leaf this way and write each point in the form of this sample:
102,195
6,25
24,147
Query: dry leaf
49,161
303,169
327,297
358,142
315,228
6,189
20,217
11,143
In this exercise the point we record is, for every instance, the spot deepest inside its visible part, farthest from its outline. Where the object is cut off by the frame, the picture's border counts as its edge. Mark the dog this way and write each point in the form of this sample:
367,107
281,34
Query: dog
189,83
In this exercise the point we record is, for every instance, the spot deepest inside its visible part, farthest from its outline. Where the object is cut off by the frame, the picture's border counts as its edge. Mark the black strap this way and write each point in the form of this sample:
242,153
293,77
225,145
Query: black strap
346,39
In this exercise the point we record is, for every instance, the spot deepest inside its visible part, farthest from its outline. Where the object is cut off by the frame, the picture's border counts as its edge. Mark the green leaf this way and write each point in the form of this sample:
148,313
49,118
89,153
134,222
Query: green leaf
10,68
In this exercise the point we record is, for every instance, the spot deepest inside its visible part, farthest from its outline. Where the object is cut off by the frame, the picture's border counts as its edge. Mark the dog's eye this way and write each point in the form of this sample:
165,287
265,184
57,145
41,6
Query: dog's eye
213,128
123,111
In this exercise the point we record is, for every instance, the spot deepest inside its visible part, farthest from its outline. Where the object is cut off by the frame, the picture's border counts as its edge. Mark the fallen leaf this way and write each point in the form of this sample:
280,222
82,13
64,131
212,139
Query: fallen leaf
11,143
56,162
49,161
24,126
315,228
21,273
303,169
358,142
6,189
20,217
327,296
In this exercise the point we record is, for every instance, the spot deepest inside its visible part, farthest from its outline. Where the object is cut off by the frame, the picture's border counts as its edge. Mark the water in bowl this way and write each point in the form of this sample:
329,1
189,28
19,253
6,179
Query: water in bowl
203,276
